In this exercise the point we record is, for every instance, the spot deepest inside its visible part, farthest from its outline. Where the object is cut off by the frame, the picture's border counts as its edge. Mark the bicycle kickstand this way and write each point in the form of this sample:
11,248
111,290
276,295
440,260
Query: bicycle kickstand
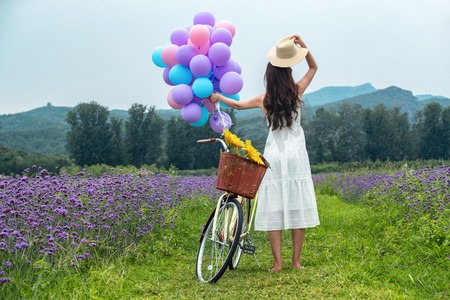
251,249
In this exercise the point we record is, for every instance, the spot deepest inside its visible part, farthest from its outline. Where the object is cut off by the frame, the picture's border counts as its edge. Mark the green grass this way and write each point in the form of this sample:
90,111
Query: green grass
350,255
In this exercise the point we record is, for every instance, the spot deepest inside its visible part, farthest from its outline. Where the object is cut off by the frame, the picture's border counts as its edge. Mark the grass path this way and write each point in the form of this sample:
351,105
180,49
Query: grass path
348,256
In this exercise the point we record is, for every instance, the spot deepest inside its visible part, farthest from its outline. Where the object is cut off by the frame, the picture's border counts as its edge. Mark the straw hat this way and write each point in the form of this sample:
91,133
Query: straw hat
286,53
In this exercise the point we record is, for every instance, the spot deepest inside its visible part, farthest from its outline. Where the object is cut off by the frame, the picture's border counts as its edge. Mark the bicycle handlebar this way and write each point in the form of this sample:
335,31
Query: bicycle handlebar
213,140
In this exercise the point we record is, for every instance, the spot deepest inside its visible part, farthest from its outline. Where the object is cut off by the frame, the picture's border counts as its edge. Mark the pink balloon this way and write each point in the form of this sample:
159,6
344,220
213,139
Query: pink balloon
203,49
219,54
209,105
172,103
204,17
231,83
221,35
168,55
227,25
199,34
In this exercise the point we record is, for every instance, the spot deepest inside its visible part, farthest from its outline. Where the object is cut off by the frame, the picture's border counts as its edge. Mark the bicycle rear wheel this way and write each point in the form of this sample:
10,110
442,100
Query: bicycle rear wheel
217,248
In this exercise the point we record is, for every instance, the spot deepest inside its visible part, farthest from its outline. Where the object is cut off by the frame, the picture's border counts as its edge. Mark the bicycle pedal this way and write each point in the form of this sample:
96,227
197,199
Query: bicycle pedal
248,249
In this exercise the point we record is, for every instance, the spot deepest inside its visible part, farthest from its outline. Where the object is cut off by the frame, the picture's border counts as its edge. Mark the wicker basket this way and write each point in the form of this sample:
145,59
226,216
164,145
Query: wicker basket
239,175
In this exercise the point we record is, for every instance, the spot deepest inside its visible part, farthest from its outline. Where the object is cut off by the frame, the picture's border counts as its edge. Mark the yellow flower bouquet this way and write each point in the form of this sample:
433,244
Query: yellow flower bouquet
242,169
235,145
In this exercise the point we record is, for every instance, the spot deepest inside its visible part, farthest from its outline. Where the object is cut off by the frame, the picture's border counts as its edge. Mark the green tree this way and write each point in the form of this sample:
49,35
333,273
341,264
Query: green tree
400,145
118,151
432,129
143,135
89,139
349,134
321,136
377,132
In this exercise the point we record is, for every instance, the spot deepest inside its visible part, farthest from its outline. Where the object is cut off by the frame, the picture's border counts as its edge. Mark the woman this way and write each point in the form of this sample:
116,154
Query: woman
286,195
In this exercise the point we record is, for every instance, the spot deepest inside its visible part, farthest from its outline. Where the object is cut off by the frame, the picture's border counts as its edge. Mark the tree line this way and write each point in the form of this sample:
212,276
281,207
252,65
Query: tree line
142,139
350,133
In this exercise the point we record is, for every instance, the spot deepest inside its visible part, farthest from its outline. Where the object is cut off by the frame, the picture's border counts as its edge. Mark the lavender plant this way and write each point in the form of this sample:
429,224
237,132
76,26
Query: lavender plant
52,222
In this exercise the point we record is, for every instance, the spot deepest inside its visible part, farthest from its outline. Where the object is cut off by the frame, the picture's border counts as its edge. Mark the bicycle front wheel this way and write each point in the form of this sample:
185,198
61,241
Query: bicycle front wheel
217,248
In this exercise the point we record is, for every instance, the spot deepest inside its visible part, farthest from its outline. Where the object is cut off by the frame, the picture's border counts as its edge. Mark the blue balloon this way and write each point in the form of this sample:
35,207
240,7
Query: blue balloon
202,87
156,57
180,74
234,97
203,119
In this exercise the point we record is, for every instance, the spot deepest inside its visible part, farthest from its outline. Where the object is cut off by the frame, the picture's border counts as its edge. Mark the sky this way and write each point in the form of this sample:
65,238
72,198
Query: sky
73,51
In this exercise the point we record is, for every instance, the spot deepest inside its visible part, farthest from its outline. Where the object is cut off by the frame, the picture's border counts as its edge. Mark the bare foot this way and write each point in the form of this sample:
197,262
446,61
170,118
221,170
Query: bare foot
298,266
273,269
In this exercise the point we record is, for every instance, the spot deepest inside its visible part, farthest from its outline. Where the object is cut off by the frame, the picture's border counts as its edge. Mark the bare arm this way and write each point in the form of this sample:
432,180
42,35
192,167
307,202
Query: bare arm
256,102
307,78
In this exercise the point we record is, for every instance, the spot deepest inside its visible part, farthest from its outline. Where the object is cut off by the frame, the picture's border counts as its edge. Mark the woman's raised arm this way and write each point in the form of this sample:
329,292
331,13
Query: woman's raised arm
306,80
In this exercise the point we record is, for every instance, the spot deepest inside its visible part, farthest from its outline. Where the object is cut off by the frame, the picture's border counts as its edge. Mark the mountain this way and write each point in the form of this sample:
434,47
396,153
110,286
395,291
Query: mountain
441,100
391,97
335,93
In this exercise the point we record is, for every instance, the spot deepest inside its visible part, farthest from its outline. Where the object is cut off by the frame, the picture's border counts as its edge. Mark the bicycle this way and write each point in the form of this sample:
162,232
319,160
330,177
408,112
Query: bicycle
226,234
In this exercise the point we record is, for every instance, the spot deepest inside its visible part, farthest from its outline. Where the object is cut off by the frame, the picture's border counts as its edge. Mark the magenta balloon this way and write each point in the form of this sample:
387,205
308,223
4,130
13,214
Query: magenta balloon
168,55
182,94
231,83
166,76
204,17
200,65
199,34
227,25
215,123
191,112
179,36
221,35
219,54
172,103
230,66
184,55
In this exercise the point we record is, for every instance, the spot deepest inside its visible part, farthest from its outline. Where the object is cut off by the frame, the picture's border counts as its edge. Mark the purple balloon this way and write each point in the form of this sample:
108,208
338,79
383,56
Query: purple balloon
197,100
219,53
205,18
179,36
191,113
230,66
221,35
200,65
166,76
185,54
220,121
216,84
231,83
182,94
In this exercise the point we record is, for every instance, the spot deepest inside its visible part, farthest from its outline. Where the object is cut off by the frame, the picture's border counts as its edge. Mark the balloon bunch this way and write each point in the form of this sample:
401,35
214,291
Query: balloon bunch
197,63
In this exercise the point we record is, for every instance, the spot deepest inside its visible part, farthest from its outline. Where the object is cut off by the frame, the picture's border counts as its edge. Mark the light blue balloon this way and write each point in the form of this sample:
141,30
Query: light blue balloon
234,97
203,119
180,74
202,87
157,59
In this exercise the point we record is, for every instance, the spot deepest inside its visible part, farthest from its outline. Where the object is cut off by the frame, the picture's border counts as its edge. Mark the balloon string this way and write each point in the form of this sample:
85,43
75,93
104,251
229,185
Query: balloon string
222,122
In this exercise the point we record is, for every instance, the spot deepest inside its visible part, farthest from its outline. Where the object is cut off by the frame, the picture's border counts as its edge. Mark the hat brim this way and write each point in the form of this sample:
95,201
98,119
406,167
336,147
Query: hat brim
287,62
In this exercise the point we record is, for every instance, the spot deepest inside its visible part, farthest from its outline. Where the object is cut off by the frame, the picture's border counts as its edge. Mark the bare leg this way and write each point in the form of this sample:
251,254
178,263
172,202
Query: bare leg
298,236
275,244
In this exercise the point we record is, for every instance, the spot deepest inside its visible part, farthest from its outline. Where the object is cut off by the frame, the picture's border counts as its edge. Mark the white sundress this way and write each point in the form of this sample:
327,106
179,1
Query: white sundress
286,196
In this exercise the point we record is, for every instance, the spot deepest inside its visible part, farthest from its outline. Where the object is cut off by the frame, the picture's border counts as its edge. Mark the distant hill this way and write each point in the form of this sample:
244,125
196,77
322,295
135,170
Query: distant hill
44,129
391,97
335,93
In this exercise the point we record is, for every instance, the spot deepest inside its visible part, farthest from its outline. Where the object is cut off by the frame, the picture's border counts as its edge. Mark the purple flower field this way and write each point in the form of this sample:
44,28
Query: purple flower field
421,194
65,220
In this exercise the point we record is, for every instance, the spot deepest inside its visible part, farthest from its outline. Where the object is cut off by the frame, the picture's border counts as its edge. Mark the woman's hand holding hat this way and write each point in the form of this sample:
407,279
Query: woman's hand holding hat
298,40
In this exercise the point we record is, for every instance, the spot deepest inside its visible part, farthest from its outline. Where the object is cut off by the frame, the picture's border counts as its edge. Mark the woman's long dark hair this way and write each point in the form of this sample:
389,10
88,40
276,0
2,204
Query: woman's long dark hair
281,97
